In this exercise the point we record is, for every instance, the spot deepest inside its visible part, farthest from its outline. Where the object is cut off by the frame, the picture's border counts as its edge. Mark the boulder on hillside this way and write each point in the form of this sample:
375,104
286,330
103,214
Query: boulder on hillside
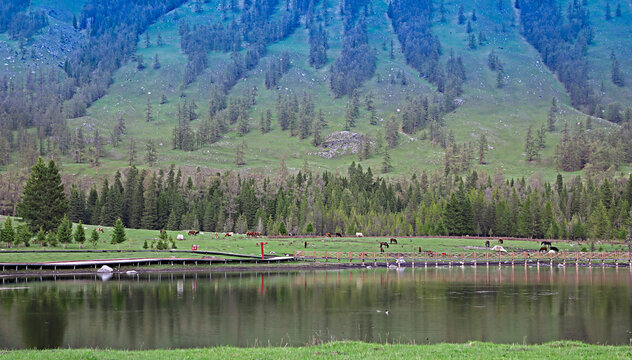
341,143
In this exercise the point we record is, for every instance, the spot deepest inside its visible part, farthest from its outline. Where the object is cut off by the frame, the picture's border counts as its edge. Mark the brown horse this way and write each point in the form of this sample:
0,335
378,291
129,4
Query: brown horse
393,241
338,235
487,243
328,234
500,241
543,249
384,243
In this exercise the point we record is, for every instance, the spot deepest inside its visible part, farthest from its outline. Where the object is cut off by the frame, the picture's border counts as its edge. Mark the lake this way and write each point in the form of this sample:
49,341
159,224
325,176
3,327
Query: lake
183,310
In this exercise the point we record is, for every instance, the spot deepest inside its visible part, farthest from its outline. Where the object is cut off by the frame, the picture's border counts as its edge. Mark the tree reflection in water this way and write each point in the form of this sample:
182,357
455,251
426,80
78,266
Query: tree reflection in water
506,305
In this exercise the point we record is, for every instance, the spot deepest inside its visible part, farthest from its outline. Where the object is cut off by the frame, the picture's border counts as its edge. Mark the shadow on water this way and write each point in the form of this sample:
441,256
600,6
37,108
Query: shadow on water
181,310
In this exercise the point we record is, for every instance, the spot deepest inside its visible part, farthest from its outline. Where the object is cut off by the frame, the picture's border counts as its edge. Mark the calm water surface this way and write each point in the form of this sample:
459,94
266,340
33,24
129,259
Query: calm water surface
243,309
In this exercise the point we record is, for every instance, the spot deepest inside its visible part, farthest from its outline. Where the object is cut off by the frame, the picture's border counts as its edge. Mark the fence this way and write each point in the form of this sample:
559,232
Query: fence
399,259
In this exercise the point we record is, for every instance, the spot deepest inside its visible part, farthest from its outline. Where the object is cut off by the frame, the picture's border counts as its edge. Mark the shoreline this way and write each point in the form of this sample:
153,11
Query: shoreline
300,266
350,350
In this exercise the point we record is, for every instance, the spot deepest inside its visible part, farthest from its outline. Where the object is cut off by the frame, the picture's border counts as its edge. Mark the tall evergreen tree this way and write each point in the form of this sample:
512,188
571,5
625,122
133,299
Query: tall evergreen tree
64,232
43,202
80,234
118,234
7,234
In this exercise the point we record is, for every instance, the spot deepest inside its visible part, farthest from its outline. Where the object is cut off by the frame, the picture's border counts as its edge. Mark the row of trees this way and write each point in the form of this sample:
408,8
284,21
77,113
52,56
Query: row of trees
435,204
562,41
356,62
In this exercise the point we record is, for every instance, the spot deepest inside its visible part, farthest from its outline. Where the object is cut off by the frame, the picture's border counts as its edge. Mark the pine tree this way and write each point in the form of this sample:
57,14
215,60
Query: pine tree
7,234
23,235
616,74
386,162
148,116
64,232
80,234
150,209
317,128
618,11
608,14
94,237
461,15
156,66
43,199
159,41
482,148
118,234
131,152
151,154
392,131
77,203
147,40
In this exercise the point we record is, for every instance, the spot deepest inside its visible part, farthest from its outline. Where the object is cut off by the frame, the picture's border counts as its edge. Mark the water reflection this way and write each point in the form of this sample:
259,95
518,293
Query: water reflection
175,310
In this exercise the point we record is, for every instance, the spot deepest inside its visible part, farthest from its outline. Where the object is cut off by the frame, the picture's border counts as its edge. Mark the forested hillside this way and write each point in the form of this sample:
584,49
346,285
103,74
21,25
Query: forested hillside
523,86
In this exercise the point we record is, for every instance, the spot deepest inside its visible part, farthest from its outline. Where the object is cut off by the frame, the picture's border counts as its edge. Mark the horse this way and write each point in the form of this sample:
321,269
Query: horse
487,244
359,234
338,235
500,241
545,243
553,248
384,243
381,248
193,232
100,229
228,235
258,234
543,249
420,249
393,241
305,245
328,234
216,235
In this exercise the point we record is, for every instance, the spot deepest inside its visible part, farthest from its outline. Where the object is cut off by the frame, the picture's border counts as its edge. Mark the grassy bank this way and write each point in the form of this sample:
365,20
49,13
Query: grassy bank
352,350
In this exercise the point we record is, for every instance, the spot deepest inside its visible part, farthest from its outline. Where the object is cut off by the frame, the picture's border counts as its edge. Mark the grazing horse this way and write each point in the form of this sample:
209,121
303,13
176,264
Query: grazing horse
216,235
193,232
487,244
250,234
553,248
328,234
543,249
393,241
500,241
545,243
384,243
100,229
420,249
338,235
305,244
228,235
258,234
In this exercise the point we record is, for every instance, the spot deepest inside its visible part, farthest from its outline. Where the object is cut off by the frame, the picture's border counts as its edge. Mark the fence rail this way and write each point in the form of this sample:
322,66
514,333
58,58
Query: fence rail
399,259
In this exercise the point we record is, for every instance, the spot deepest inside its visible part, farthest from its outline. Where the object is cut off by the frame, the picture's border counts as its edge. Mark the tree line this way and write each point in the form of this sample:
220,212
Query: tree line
593,208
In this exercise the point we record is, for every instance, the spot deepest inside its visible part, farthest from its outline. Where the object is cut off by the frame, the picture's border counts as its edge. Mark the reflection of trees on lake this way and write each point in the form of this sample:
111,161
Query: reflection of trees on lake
194,310
44,318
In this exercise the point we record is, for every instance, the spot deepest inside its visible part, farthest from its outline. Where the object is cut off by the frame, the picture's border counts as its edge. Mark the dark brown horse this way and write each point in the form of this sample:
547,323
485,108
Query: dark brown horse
384,243
500,241
393,241
487,243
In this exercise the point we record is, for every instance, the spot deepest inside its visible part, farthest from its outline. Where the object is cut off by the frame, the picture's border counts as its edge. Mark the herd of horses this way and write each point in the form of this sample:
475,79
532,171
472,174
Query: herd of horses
546,245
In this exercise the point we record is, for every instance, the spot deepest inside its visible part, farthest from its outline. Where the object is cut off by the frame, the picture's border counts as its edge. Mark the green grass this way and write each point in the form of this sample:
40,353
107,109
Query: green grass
242,245
352,350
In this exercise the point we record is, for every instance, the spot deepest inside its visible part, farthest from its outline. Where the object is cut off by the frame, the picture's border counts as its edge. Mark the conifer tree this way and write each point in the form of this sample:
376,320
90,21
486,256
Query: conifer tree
386,162
64,232
482,148
118,234
43,202
80,234
461,15
7,234
94,237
